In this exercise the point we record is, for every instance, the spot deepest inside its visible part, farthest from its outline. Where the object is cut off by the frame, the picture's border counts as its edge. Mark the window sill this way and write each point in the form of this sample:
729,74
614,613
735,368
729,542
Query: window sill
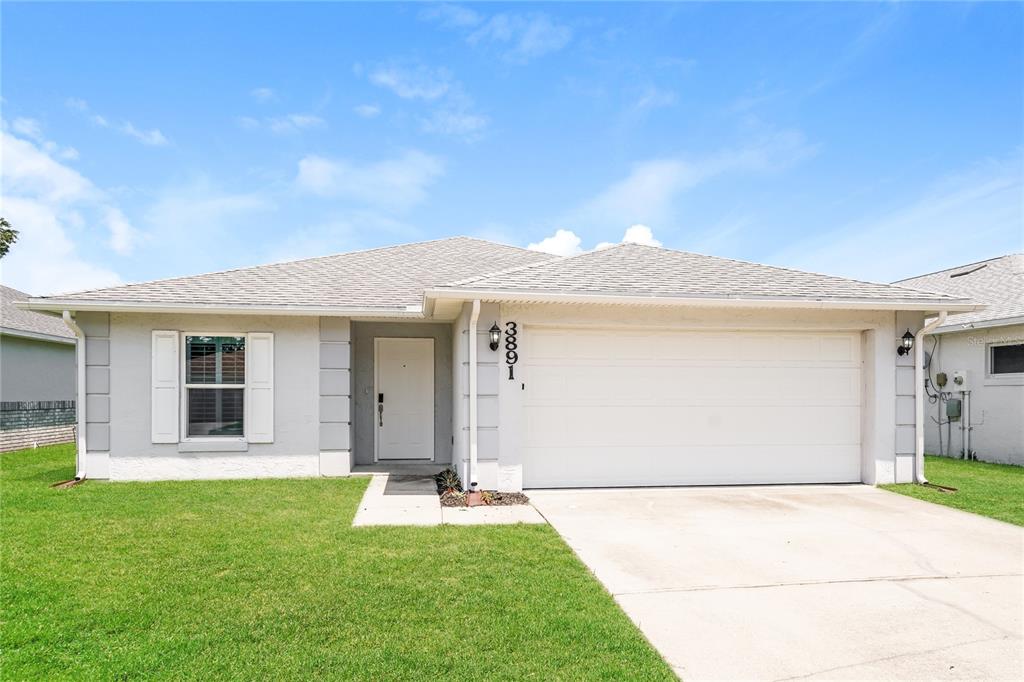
213,445
1005,380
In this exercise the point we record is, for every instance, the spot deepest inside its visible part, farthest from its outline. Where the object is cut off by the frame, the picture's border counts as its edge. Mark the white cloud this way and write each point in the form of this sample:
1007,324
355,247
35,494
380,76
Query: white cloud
453,113
123,236
28,127
649,192
455,121
451,16
392,183
33,129
49,203
413,81
654,98
525,36
152,137
289,124
292,123
262,94
561,243
964,217
635,234
367,110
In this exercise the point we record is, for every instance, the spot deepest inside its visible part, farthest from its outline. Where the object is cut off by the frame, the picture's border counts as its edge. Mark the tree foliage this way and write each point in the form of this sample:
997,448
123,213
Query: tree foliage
8,235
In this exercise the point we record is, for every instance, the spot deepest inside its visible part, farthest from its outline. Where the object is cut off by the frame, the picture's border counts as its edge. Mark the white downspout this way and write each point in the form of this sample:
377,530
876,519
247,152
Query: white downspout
474,316
919,396
80,393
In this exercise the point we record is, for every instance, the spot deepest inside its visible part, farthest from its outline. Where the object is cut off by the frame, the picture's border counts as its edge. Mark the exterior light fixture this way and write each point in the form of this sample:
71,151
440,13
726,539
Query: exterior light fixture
907,344
495,334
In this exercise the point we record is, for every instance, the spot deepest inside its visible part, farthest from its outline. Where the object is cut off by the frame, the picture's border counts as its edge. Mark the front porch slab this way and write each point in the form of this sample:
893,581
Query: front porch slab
407,497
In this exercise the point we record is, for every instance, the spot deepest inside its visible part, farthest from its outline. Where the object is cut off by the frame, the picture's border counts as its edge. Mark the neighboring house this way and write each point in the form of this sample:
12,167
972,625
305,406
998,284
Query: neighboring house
632,365
986,348
37,376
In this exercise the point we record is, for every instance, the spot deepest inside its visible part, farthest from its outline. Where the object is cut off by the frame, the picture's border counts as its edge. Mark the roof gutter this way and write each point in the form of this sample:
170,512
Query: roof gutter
954,305
80,446
60,305
919,395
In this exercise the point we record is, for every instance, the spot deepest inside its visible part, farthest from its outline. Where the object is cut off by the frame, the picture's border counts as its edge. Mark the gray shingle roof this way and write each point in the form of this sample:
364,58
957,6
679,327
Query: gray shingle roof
648,271
15,320
998,282
388,279
393,280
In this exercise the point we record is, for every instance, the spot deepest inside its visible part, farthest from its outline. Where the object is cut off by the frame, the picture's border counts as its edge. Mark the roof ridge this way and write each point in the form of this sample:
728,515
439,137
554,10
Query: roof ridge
506,271
789,269
960,267
282,262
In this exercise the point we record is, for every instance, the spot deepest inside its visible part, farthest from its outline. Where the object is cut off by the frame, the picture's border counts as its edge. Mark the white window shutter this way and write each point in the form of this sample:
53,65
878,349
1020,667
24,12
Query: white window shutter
259,380
165,400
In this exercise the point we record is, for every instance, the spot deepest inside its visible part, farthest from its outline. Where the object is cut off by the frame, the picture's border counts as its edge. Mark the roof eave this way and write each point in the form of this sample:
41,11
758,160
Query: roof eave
58,305
979,324
957,305
37,336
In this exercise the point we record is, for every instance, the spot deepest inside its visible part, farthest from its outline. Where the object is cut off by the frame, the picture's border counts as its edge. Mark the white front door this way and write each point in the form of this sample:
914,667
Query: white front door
404,400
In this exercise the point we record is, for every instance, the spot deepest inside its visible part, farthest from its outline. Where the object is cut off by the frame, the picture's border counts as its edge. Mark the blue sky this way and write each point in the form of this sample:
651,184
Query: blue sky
144,141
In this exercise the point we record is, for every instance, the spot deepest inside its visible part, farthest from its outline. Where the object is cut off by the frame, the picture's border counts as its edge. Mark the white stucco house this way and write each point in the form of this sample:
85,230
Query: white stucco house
628,366
978,363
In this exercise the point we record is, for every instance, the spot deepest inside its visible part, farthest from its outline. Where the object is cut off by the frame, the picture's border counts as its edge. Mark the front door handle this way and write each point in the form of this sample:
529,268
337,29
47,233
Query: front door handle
380,414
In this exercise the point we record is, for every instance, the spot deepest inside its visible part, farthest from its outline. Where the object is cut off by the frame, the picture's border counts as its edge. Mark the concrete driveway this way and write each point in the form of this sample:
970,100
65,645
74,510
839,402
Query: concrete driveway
790,582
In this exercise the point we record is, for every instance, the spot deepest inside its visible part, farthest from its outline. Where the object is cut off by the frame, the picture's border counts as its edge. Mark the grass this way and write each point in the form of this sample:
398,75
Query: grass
268,580
995,490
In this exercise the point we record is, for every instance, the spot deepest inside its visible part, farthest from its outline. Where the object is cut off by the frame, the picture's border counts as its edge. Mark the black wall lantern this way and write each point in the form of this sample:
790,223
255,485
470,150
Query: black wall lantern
907,345
495,334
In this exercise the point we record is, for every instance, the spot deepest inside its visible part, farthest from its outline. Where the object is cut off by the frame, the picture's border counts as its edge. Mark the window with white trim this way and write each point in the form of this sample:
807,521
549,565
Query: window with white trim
1006,358
214,386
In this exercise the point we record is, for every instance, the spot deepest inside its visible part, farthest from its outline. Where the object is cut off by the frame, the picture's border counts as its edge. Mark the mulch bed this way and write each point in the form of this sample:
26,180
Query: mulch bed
452,496
497,499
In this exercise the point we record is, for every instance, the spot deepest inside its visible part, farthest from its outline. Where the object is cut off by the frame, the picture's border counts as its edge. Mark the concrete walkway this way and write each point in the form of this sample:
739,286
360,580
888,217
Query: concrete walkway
805,582
411,500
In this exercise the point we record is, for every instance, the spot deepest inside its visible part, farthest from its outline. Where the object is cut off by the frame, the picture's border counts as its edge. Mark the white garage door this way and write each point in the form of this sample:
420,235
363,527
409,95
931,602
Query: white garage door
621,407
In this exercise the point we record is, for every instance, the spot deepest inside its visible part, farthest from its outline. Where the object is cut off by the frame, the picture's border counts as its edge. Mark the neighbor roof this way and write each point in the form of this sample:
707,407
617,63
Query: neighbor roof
397,280
997,282
387,279
26,323
633,270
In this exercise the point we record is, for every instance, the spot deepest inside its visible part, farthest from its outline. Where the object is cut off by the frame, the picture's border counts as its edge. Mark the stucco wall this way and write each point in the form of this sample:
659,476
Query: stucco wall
32,370
488,419
880,376
363,334
997,404
295,450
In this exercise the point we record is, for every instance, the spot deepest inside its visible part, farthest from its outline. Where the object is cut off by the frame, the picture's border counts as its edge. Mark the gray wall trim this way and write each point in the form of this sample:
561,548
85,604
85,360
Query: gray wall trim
335,384
363,334
96,327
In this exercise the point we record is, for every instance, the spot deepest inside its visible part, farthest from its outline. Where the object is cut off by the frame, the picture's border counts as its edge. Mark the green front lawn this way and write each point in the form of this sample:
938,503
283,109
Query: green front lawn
268,580
995,490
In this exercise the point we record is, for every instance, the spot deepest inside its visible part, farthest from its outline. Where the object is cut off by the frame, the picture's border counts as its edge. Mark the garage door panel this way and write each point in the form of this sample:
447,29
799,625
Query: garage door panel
690,407
693,384
635,427
703,465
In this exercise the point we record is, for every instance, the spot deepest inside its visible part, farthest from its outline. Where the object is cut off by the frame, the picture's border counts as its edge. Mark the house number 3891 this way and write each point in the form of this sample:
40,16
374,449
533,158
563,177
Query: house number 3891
511,348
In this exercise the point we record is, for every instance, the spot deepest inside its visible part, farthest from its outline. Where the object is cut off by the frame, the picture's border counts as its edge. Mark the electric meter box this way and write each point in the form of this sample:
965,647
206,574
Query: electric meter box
953,409
958,380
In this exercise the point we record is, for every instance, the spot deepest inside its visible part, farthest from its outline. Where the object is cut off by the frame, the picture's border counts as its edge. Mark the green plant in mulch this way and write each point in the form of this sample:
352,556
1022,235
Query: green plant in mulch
448,481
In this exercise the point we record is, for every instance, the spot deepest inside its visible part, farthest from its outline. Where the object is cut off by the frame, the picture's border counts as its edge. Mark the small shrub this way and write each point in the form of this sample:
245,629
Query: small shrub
448,482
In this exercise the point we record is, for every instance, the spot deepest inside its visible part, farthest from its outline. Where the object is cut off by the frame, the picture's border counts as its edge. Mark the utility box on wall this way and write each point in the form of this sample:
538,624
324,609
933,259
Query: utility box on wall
953,409
958,380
